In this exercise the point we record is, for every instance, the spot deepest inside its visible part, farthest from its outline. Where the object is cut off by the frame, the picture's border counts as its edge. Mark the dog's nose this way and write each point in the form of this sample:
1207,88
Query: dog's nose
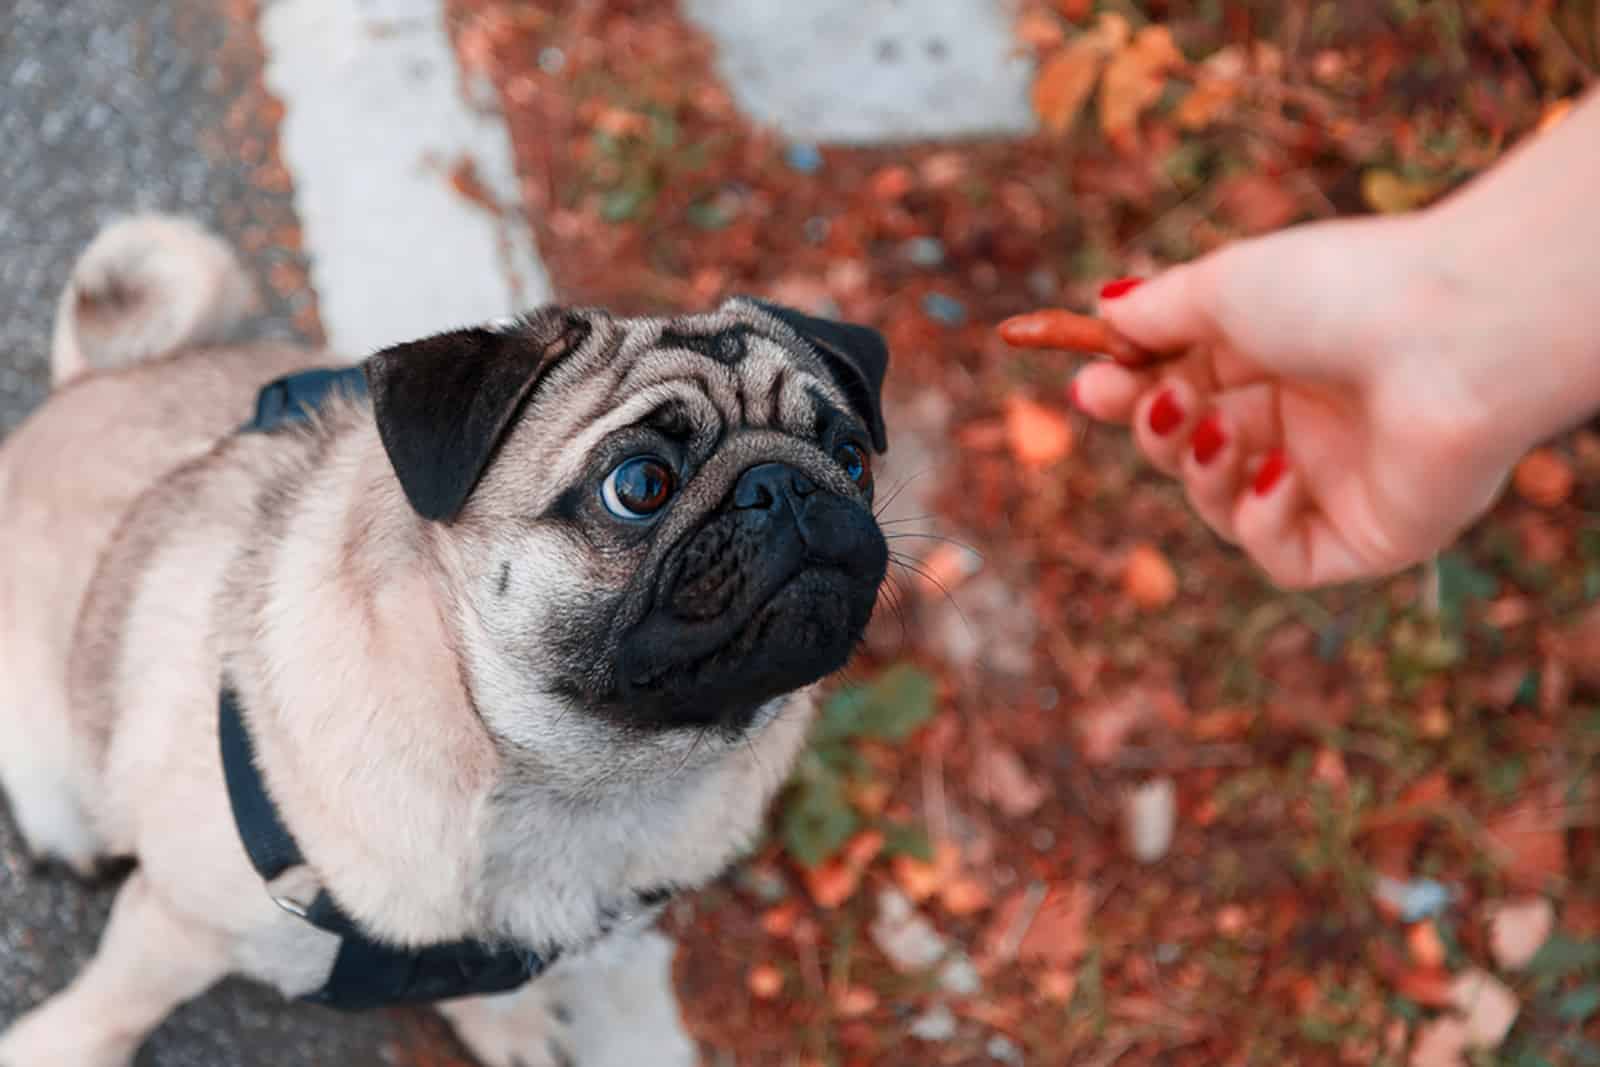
765,484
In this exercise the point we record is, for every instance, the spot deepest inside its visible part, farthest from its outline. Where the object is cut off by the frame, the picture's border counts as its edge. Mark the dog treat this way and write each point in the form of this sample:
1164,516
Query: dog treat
1069,330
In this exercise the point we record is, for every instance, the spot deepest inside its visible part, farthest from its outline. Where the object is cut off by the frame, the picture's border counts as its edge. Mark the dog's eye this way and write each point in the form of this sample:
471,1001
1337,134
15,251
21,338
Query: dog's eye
637,488
854,460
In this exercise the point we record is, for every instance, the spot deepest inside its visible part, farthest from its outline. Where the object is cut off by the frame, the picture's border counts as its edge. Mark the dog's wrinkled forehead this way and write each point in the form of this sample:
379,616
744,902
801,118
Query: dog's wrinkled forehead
447,405
748,360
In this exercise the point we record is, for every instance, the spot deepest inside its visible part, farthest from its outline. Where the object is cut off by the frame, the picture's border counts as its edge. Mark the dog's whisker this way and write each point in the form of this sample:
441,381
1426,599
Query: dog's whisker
934,537
905,483
897,605
694,747
755,755
928,576
908,519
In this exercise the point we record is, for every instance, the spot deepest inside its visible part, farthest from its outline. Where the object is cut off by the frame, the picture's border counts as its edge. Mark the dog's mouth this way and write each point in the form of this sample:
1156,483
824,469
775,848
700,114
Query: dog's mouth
750,609
801,632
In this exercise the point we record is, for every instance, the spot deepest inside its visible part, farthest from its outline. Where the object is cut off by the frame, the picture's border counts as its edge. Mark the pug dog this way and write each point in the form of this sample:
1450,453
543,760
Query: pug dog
429,678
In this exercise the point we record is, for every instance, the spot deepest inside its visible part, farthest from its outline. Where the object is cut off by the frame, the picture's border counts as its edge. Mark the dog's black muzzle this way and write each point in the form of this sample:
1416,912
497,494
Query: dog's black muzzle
771,594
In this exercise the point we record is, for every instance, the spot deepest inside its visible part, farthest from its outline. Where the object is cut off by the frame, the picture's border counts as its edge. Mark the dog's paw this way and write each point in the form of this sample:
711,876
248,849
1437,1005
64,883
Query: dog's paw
523,1029
35,1041
555,1054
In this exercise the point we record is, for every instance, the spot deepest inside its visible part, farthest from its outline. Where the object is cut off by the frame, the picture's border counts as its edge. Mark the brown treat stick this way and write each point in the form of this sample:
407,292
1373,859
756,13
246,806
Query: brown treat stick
1069,330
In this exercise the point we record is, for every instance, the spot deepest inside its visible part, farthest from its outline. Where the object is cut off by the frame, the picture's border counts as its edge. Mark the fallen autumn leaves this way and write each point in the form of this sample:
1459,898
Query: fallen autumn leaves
1368,804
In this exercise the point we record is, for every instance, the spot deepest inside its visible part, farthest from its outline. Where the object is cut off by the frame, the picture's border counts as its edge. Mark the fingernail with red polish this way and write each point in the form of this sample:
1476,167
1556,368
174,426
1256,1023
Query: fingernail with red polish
1271,471
1119,287
1165,414
1208,439
1072,396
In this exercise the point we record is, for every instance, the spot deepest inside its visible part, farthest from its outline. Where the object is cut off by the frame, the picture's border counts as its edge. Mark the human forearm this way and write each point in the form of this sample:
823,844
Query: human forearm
1513,286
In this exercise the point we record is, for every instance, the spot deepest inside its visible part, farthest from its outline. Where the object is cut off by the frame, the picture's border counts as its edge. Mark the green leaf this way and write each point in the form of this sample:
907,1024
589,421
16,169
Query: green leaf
890,708
710,213
1405,1009
1589,543
841,718
1578,1004
1562,955
1459,583
621,205
1505,778
907,839
1320,1030
817,819
840,758
663,131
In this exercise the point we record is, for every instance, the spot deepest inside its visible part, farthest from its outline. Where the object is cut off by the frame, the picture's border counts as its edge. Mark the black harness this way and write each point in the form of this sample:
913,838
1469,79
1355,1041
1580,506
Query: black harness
366,973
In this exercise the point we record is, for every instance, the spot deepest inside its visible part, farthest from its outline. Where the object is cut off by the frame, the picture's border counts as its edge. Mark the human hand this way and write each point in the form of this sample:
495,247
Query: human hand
1323,403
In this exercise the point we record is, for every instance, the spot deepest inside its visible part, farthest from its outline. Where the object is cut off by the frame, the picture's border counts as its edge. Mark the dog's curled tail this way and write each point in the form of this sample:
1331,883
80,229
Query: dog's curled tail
145,287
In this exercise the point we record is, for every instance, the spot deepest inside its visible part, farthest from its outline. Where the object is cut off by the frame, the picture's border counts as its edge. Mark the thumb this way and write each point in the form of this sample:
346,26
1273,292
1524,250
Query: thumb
1174,310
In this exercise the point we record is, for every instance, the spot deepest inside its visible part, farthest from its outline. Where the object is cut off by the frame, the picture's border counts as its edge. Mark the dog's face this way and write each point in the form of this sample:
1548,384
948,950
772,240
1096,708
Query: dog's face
653,527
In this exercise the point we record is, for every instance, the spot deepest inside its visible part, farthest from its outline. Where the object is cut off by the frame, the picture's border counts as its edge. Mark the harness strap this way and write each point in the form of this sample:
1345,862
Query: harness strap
272,849
366,972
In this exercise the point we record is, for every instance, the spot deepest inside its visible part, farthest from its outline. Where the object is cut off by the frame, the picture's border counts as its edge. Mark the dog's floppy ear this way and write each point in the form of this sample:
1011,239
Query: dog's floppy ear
444,403
857,356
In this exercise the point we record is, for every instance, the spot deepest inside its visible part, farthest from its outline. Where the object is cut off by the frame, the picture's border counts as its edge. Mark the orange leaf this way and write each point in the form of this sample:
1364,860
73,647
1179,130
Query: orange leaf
1104,727
891,183
1222,724
1065,83
919,880
998,945
1039,30
1428,986
779,921
1134,79
1554,113
870,796
765,981
1544,478
1000,777
1258,203
1148,578
1206,103
1329,768
1058,933
1232,921
1038,436
1530,845
1057,986
855,1001
964,896
987,435
836,881
833,883
1425,945
1390,194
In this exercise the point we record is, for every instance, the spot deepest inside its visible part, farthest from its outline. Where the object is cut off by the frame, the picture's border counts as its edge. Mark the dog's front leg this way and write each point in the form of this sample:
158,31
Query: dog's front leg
150,960
612,1006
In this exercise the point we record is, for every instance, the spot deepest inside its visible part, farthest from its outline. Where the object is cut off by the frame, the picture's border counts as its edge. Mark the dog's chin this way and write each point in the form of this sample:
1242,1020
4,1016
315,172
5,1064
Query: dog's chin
801,634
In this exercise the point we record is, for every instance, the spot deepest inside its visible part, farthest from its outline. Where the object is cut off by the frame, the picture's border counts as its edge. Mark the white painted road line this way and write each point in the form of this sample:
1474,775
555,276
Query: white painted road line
375,121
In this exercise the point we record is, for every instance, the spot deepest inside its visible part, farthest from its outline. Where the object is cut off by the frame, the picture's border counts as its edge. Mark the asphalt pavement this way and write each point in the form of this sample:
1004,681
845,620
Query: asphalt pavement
108,106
